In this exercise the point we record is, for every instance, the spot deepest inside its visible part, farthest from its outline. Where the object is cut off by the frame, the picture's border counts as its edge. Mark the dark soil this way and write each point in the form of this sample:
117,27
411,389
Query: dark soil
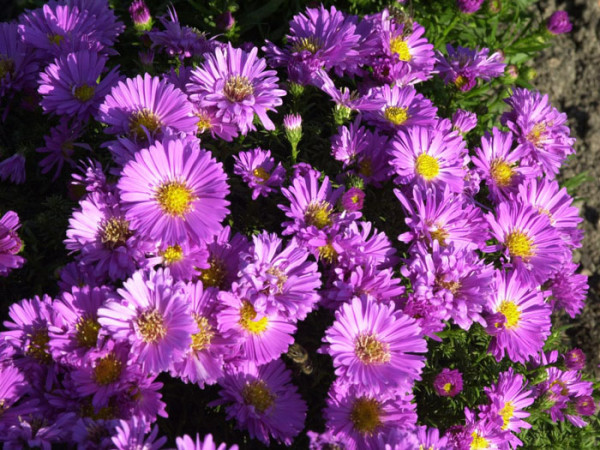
569,72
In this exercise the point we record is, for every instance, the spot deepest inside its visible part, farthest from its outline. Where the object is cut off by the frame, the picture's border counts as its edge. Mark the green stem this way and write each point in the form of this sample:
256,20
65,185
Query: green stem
449,28
294,152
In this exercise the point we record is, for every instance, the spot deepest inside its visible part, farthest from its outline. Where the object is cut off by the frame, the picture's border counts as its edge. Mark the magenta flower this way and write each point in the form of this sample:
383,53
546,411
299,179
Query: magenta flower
264,402
257,168
144,108
463,66
464,121
183,260
236,83
469,6
519,320
568,289
13,169
574,359
140,15
131,434
353,199
174,191
559,23
10,243
207,443
375,347
448,383
18,67
153,316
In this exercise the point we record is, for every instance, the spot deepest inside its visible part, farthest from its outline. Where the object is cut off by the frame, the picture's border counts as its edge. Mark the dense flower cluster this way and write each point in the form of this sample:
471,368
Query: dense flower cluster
160,283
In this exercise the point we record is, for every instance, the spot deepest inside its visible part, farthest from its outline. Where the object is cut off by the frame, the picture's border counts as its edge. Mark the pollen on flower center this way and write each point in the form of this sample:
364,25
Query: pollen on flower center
261,174
328,253
519,244
427,166
507,413
115,232
279,275
510,311
447,387
174,198
310,43
55,39
172,254
396,114
202,339
400,48
318,214
366,415
501,172
151,325
203,123
478,442
247,316
371,350
87,330
439,235
38,345
215,274
461,81
107,370
537,133
257,394
452,286
84,92
143,120
237,88
7,66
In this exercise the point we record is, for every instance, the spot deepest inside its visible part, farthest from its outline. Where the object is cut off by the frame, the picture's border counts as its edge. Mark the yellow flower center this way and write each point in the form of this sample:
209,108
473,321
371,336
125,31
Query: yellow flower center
7,66
280,275
564,390
151,325
537,134
318,214
328,253
519,244
201,340
396,114
507,413
366,415
257,394
107,370
439,235
84,92
203,123
237,88
447,387
510,311
311,43
370,350
247,316
174,198
38,346
115,232
478,442
365,167
452,286
143,120
261,174
55,39
400,48
460,81
87,332
172,254
501,172
215,274
427,166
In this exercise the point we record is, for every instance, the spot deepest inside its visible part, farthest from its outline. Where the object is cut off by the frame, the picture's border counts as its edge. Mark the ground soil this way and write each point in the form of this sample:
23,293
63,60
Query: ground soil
569,72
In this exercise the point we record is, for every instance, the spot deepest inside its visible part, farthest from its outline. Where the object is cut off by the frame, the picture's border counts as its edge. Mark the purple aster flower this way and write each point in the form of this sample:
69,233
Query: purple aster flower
10,243
13,169
13,386
319,39
448,383
153,316
426,157
264,402
183,260
464,121
469,6
292,124
236,83
257,168
375,347
207,443
131,435
442,216
181,41
203,361
549,199
77,274
507,402
260,334
91,177
475,434
349,142
210,120
225,21
18,67
527,239
38,429
146,107
368,245
574,359
174,191
101,233
568,289
559,23
140,15
463,66
498,164
60,146
69,86
353,199
364,280
402,107
519,319
106,24
360,418
540,128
